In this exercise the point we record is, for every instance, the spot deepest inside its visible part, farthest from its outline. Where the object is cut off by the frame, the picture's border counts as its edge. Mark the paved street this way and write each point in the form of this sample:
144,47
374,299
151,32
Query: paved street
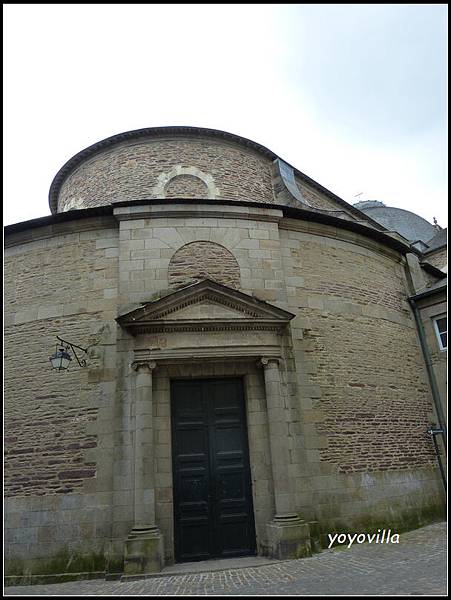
415,566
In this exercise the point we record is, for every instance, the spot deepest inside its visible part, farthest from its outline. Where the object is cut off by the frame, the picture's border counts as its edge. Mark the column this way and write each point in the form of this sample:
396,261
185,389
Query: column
144,545
289,537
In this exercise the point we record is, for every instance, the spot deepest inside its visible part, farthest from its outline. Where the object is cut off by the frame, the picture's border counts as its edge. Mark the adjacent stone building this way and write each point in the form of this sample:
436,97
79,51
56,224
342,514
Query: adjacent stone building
255,372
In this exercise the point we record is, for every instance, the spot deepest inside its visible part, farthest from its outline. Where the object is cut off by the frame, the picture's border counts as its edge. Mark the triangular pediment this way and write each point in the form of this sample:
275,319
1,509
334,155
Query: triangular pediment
205,306
206,309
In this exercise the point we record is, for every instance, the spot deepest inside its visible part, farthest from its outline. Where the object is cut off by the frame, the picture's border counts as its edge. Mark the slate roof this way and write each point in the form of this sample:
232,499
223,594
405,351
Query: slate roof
408,224
437,241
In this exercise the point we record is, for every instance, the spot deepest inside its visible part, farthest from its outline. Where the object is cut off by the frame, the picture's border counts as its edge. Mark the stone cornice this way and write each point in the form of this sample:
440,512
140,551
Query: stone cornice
26,227
50,225
232,210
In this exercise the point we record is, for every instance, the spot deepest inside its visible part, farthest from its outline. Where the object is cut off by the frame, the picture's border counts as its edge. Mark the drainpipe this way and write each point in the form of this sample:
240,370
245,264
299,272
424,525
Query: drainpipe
433,431
415,280
430,370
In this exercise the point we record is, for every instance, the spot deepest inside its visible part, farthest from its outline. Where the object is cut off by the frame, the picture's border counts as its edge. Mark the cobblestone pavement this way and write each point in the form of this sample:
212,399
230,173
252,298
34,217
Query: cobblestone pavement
415,566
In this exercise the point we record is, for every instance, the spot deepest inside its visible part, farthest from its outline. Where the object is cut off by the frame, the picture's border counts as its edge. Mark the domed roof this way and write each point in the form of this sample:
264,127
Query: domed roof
408,224
142,134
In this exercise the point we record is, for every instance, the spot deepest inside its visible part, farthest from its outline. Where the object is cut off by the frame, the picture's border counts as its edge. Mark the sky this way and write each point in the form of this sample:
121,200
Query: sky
354,96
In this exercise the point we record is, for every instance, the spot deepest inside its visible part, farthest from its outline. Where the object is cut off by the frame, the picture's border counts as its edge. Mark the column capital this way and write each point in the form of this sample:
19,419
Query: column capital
265,361
139,364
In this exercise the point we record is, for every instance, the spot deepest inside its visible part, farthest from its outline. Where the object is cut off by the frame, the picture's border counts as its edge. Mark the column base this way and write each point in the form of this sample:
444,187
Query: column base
143,551
288,537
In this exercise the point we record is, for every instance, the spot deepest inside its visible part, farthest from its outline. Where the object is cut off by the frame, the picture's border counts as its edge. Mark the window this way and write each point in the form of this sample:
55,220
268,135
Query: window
440,324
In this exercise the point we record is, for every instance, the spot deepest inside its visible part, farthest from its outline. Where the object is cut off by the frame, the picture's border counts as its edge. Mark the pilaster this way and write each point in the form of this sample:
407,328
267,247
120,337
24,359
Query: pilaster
288,535
144,545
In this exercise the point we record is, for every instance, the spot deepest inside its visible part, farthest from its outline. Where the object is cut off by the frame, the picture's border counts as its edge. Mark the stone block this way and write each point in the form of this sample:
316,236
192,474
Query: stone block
259,253
107,243
289,539
47,312
248,244
132,223
25,316
143,553
260,234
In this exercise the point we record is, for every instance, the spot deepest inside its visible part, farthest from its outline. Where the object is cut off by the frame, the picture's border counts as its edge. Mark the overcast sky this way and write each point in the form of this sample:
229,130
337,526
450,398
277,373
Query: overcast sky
354,96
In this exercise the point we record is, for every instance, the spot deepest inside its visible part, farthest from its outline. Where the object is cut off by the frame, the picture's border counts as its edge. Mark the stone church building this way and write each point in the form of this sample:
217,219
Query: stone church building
255,362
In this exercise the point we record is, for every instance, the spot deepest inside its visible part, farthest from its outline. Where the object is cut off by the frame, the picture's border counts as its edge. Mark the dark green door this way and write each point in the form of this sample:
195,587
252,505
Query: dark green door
213,514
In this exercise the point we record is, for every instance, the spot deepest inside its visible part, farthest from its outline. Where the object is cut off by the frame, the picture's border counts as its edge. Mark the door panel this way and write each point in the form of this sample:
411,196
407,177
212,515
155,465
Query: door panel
191,472
212,492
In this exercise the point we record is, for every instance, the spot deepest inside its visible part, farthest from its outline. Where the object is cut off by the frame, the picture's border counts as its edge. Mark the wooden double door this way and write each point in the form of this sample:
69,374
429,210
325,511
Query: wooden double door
213,513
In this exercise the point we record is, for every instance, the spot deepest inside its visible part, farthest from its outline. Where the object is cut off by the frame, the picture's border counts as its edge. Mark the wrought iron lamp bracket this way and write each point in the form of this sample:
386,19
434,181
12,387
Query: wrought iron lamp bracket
81,362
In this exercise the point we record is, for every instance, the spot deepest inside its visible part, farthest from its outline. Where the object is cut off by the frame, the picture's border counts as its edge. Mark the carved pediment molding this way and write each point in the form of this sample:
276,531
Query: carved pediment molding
203,325
207,296
243,312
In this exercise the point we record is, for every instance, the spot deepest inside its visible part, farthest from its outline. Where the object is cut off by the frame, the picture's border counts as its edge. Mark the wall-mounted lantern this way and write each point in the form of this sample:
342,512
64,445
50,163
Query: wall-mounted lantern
61,359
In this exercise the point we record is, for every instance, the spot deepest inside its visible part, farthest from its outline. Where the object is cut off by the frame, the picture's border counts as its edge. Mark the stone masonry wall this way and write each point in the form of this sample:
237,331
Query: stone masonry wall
147,245
58,425
131,171
47,440
373,398
353,382
363,394
203,260
323,269
319,200
186,186
439,259
373,410
349,294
